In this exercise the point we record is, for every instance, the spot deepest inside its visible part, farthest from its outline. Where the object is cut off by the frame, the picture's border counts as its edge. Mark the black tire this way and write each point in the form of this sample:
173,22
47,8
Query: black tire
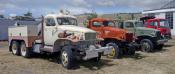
15,48
131,50
160,47
146,45
116,52
67,59
25,52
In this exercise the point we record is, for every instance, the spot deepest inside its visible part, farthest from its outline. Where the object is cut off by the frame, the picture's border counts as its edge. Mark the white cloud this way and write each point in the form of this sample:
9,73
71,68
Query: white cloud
106,3
75,9
2,11
81,3
75,6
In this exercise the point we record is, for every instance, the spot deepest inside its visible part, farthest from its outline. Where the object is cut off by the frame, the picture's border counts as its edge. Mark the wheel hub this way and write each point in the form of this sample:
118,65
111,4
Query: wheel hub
64,58
14,48
112,54
146,46
23,50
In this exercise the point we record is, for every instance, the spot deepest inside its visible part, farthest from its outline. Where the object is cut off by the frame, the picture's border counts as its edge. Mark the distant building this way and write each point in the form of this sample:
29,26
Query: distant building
116,16
122,16
167,12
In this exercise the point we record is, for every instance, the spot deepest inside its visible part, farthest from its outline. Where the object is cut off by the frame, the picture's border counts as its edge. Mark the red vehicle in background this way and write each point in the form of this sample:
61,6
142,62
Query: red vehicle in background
159,24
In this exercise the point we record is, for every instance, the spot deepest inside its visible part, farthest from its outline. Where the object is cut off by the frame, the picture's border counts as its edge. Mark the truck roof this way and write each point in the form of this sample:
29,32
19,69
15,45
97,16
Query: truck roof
59,15
132,21
157,19
100,19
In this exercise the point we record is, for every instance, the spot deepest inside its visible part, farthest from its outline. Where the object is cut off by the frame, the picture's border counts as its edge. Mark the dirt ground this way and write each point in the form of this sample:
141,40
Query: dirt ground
158,62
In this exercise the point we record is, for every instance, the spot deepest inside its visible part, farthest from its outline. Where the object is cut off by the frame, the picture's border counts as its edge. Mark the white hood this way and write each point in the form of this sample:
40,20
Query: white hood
75,28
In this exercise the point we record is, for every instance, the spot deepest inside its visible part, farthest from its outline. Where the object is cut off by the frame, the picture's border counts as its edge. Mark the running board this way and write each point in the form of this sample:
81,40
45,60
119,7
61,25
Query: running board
47,49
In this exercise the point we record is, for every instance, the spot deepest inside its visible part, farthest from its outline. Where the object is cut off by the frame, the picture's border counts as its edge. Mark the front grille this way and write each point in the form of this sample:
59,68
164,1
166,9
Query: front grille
129,37
82,45
90,36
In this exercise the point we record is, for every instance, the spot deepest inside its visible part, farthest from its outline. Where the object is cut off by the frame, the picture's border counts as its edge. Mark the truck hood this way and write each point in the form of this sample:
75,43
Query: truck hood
146,29
75,28
165,30
114,29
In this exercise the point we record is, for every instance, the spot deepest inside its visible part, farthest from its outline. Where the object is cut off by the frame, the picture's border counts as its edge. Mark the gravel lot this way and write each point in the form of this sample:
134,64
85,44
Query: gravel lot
158,62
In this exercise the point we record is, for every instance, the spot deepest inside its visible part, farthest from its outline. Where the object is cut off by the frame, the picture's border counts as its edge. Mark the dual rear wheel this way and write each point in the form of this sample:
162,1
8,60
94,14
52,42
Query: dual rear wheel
19,48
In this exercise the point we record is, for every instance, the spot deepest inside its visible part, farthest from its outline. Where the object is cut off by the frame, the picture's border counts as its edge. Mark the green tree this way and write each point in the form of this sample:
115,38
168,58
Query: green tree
89,17
92,15
29,14
1,16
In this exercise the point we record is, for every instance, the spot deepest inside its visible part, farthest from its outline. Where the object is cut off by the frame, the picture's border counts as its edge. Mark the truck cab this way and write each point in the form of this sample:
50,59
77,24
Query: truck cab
158,23
148,38
111,34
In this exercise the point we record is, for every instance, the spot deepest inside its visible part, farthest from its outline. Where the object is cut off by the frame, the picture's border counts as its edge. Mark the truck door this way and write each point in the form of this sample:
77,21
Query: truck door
97,26
153,24
129,26
49,29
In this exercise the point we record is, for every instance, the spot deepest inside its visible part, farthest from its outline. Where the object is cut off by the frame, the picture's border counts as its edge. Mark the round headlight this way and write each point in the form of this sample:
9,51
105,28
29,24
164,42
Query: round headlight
153,33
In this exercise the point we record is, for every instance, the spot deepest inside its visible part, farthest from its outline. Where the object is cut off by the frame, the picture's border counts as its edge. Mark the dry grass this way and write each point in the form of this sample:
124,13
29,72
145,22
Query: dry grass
158,62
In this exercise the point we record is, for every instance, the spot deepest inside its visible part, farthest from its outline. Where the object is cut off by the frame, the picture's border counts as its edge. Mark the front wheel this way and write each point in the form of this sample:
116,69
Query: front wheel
146,45
115,51
67,59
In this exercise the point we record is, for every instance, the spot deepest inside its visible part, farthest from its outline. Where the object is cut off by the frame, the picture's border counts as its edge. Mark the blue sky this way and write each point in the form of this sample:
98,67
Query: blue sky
43,7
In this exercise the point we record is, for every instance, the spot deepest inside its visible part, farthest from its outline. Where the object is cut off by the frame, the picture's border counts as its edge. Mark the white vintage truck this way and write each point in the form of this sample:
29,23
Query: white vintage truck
58,33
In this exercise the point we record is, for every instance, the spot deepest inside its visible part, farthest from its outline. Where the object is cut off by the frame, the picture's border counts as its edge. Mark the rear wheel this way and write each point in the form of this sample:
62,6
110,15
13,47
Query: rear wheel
15,48
146,45
67,59
25,52
115,51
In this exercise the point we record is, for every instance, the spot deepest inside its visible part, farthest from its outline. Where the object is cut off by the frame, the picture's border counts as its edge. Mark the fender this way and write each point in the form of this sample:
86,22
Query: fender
59,43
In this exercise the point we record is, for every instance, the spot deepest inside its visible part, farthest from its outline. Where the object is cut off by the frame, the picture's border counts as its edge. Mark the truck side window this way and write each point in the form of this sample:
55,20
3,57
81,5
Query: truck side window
154,23
96,24
129,25
50,22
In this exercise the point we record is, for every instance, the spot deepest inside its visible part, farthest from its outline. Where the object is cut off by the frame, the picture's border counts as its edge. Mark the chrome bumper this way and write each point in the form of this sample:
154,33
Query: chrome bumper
92,52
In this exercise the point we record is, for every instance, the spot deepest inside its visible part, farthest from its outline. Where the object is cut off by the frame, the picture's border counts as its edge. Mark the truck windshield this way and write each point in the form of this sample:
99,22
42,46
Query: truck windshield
164,24
66,21
139,24
109,23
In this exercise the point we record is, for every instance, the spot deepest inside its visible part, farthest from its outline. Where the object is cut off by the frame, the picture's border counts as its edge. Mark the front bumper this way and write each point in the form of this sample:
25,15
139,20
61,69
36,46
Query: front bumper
94,52
168,36
162,41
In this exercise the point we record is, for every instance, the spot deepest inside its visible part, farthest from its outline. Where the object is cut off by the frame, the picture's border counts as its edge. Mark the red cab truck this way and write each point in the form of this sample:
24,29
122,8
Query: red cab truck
159,24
